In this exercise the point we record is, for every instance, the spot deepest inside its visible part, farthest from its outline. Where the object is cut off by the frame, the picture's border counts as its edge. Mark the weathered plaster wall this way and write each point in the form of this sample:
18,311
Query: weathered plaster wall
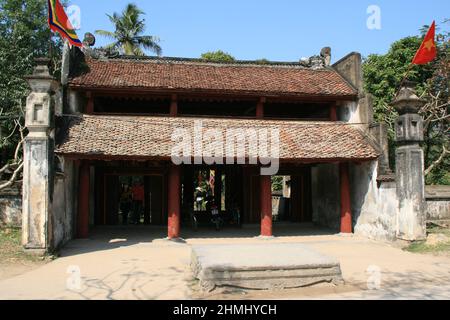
11,207
325,195
438,209
63,203
374,205
75,102
350,68
438,202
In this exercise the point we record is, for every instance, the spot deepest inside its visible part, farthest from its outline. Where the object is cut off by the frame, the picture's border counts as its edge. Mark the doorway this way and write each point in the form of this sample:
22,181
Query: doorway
146,209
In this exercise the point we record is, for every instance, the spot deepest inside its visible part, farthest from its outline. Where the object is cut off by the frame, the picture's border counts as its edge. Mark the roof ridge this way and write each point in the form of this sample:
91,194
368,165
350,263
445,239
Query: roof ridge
200,61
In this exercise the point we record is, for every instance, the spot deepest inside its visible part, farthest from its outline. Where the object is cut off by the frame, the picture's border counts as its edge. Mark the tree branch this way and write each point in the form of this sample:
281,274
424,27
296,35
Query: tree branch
13,178
438,161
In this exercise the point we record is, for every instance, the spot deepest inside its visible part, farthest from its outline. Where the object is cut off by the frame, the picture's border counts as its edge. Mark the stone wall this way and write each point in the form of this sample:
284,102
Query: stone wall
374,204
438,202
350,68
11,206
63,204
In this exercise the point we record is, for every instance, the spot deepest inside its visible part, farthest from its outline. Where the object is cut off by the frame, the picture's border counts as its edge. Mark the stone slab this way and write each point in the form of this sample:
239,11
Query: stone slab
262,266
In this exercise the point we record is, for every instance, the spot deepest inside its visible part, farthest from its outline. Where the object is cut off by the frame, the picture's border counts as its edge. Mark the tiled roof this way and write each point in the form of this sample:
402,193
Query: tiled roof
288,79
150,137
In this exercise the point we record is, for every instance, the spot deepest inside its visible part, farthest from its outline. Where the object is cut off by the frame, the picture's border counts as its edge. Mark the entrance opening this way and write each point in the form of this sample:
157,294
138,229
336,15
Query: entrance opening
209,188
135,192
131,199
291,197
281,198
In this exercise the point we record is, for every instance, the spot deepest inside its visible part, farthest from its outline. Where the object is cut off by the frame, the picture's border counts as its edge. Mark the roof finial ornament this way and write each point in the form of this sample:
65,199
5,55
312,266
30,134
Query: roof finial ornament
325,53
97,53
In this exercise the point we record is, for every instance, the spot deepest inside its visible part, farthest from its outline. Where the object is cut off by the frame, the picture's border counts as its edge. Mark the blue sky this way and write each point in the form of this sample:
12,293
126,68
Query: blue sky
280,30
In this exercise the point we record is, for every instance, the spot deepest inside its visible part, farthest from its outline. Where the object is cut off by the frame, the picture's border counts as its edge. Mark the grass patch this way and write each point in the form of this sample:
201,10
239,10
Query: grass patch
11,250
423,247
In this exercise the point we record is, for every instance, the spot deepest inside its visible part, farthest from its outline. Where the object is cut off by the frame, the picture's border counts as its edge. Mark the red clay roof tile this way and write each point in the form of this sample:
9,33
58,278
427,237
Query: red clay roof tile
150,137
160,74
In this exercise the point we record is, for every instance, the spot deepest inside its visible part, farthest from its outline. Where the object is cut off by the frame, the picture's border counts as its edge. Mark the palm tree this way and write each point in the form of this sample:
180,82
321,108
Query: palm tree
128,38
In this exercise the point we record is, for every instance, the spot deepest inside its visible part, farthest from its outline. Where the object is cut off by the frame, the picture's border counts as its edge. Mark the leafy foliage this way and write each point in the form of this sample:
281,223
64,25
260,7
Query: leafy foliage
383,75
217,56
128,38
277,183
24,35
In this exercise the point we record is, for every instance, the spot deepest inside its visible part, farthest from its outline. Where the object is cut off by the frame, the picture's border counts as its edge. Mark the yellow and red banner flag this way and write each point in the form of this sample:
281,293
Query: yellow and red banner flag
59,22
427,50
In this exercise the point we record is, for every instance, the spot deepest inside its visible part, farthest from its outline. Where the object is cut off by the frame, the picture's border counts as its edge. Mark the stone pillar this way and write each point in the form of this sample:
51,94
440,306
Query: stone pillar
174,202
409,166
83,201
266,205
38,160
346,210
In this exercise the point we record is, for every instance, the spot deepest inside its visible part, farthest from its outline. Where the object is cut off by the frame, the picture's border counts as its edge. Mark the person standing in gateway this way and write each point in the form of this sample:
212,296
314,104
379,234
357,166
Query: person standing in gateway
138,201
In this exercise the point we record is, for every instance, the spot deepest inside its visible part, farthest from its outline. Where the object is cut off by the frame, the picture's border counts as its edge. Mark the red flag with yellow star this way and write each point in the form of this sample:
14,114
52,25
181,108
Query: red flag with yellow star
427,50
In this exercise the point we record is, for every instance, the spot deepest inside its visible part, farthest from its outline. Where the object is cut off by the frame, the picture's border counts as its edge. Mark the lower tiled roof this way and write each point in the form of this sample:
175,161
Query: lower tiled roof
150,137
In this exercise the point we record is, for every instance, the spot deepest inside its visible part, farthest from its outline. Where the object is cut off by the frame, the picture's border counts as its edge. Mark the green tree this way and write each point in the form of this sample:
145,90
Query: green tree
24,35
383,75
217,56
128,38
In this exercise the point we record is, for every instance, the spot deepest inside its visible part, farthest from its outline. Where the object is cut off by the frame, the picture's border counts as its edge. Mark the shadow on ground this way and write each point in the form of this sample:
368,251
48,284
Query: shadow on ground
112,237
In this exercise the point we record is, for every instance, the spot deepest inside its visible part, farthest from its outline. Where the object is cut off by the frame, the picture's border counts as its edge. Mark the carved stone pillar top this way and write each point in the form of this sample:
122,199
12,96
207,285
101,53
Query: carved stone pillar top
41,80
39,108
409,124
407,101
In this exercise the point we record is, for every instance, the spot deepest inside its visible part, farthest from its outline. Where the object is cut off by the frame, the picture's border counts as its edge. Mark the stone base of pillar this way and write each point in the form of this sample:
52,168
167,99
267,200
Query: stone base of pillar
265,237
175,240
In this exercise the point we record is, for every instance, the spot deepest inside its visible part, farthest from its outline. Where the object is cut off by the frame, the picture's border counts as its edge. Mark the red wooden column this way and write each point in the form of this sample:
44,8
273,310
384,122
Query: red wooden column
266,205
174,106
260,108
333,113
90,103
346,210
174,202
83,201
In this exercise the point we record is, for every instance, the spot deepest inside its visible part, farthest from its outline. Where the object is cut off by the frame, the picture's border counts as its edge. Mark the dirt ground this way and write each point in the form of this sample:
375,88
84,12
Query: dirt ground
135,263
13,260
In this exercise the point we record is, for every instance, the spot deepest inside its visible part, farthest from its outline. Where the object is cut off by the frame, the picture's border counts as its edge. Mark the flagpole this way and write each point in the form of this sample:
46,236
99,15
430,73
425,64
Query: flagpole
408,70
50,47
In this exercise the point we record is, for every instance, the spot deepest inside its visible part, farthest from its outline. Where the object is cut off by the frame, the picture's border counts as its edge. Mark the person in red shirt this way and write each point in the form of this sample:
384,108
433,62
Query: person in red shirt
138,201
